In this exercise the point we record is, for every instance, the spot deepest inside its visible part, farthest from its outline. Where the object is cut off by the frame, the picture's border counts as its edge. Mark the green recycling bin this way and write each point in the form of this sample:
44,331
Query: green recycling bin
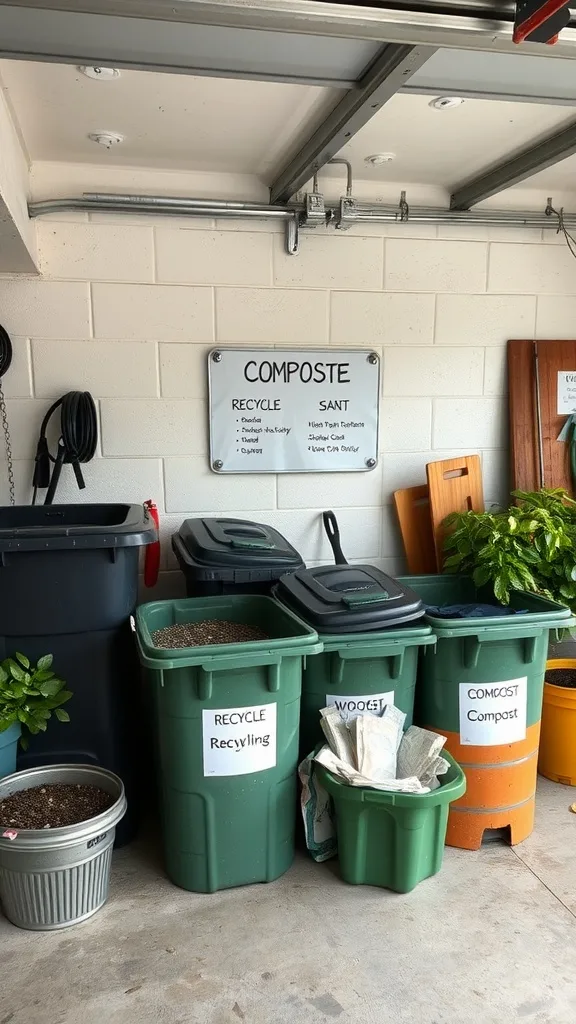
371,629
227,720
482,688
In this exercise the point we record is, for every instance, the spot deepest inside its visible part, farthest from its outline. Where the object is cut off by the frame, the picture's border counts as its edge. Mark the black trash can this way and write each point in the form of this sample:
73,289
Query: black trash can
68,585
232,556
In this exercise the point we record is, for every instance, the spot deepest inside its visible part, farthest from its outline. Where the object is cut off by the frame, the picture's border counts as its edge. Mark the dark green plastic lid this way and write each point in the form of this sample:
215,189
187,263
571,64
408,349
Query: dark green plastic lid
349,598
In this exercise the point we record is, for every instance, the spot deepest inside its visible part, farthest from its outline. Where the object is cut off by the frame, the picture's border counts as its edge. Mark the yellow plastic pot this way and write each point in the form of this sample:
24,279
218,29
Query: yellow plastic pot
557,757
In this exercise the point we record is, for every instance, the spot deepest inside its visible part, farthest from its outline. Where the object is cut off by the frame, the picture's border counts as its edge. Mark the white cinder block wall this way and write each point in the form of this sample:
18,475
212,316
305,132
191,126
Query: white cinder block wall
129,307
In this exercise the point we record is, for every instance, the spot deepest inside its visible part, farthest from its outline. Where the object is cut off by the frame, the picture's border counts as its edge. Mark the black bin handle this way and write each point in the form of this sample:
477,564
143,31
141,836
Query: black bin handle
333,534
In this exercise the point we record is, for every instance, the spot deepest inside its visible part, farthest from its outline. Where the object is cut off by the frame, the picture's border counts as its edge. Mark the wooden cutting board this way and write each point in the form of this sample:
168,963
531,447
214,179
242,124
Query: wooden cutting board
454,485
413,509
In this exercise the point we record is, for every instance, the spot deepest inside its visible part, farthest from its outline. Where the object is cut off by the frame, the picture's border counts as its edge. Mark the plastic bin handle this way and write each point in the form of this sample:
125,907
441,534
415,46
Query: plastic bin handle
368,648
358,597
472,643
206,674
223,663
489,634
241,542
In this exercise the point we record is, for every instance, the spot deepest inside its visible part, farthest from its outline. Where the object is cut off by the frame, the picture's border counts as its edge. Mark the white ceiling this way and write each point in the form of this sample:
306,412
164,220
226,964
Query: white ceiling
179,122
176,122
445,147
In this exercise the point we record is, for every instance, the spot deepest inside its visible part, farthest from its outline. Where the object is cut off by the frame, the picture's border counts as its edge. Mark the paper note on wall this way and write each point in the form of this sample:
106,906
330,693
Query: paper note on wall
566,392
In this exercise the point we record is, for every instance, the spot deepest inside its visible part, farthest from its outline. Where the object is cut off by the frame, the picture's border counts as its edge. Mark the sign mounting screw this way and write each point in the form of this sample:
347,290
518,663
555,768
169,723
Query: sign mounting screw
217,357
218,464
370,463
373,358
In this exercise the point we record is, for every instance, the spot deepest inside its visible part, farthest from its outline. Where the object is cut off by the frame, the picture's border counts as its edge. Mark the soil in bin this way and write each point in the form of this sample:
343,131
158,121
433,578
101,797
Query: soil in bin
561,677
208,631
53,806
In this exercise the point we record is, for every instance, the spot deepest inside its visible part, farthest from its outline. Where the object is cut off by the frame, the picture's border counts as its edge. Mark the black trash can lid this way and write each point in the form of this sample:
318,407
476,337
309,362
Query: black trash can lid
236,543
349,598
61,527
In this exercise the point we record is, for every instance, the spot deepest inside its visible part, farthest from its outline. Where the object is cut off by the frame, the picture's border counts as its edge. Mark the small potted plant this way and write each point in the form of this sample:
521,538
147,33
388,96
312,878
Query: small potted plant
28,696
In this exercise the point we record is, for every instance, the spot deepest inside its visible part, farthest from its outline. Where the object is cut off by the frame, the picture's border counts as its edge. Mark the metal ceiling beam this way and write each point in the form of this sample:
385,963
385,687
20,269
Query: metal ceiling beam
461,24
393,66
527,163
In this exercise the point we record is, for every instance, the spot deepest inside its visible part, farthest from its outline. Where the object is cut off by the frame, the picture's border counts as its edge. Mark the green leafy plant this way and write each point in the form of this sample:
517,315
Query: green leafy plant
529,546
29,694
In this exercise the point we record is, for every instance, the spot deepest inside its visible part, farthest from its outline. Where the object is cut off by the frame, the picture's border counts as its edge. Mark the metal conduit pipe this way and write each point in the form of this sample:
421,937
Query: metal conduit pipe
222,204
201,209
366,213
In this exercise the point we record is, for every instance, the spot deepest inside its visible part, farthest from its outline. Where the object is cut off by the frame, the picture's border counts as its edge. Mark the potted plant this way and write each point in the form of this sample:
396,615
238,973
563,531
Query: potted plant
529,546
28,696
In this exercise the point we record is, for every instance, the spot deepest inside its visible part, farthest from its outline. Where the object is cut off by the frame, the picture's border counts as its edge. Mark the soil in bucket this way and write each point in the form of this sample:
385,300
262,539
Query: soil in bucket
561,677
53,806
208,631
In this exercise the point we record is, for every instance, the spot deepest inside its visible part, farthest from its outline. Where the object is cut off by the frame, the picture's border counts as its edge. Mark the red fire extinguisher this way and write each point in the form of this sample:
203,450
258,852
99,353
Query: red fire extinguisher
152,557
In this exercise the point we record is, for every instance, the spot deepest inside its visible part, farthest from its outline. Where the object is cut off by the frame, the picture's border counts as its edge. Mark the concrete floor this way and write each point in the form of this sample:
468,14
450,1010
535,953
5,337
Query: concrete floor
490,940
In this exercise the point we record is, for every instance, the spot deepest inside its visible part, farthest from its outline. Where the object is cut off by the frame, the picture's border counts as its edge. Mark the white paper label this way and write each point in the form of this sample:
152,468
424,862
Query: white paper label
566,392
239,741
493,713
360,704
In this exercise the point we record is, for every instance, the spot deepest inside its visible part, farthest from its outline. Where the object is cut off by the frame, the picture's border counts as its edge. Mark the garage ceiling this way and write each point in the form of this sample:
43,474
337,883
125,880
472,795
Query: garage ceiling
173,122
178,122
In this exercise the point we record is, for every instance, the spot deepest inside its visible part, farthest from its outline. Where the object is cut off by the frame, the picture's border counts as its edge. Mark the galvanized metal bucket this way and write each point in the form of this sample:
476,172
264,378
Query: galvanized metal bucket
54,878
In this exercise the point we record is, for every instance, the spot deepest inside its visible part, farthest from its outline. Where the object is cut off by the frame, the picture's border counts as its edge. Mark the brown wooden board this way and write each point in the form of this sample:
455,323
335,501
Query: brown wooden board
521,410
413,508
454,485
553,357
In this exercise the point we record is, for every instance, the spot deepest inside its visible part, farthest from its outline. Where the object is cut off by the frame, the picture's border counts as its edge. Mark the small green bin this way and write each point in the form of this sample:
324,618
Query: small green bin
392,840
227,737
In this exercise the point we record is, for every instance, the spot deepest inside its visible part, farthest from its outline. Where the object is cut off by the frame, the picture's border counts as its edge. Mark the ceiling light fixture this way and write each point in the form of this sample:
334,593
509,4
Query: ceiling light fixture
446,102
107,139
379,158
98,74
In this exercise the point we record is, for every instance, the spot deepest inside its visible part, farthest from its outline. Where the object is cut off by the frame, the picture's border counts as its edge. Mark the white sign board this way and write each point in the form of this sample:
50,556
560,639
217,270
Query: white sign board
566,392
493,713
367,703
293,410
239,741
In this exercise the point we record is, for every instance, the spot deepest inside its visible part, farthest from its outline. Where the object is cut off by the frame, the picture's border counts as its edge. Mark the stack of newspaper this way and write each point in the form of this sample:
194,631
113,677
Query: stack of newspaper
376,752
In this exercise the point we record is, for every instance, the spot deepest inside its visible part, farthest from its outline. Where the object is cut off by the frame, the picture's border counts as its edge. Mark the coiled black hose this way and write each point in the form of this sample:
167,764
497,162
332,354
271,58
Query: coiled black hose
5,351
77,443
5,360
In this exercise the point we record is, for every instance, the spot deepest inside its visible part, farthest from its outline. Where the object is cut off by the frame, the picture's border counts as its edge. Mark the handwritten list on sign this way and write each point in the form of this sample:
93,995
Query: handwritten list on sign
293,410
